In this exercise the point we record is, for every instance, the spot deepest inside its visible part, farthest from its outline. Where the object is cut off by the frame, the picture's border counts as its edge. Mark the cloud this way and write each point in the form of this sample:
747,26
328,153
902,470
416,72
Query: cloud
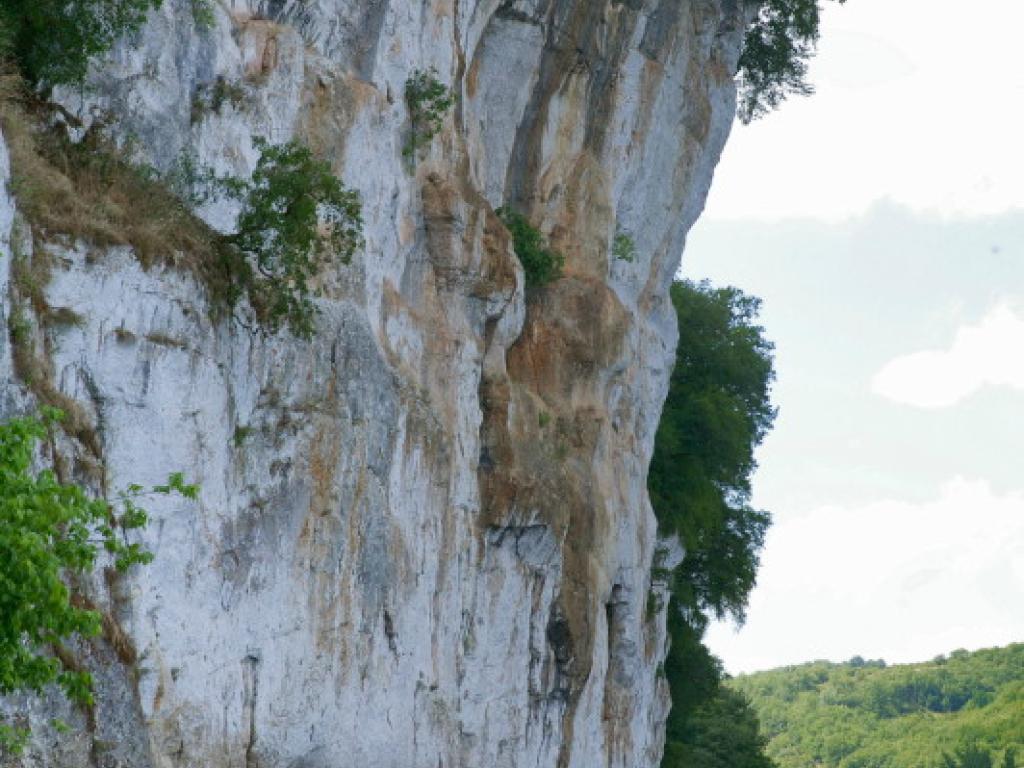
894,579
986,354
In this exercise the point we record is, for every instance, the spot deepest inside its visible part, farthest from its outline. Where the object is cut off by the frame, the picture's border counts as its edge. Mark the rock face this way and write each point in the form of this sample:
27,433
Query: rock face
423,537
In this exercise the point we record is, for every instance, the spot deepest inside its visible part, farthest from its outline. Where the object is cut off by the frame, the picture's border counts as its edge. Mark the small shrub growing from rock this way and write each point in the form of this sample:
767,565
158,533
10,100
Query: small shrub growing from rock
295,215
212,98
203,14
428,100
540,263
623,247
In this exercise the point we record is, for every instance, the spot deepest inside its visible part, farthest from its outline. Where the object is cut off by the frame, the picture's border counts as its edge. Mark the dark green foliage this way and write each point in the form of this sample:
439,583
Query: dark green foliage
295,215
970,756
52,41
778,45
863,714
241,434
709,725
203,14
693,673
623,247
723,732
428,100
49,531
717,411
540,264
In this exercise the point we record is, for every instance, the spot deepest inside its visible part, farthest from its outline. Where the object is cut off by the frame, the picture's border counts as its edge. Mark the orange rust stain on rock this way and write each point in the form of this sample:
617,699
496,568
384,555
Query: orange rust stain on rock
575,329
651,80
443,9
262,36
331,104
467,243
585,218
473,77
318,537
574,333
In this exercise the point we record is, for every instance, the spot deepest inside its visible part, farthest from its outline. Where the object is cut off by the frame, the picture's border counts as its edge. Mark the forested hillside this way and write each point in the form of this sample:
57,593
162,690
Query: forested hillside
863,714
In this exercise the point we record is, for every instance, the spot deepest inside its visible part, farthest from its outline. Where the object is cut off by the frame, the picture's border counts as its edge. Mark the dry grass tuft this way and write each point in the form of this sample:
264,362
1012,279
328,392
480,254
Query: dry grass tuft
119,640
89,191
30,275
64,316
124,336
165,340
37,372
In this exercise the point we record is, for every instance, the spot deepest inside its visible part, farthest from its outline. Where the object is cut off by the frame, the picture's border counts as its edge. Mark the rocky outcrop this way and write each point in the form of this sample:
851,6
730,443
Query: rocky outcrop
423,537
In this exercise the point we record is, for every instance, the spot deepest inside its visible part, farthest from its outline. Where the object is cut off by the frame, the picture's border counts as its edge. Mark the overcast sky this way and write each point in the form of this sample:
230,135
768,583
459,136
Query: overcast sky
882,222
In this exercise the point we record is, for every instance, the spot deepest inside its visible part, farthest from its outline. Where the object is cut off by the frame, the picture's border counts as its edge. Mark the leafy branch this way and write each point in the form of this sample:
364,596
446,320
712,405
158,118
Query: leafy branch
778,45
50,532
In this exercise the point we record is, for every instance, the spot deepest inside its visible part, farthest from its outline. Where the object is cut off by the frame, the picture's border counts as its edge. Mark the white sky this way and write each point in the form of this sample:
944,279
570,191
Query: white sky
920,579
919,101
882,222
987,354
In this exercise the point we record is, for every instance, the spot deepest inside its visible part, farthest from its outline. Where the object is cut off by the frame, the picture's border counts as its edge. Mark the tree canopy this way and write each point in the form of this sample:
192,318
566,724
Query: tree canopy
723,732
717,411
779,43
950,712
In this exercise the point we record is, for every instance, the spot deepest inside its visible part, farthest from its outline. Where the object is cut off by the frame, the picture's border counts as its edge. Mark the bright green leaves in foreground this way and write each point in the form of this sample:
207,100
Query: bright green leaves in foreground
967,708
717,411
52,41
45,528
50,532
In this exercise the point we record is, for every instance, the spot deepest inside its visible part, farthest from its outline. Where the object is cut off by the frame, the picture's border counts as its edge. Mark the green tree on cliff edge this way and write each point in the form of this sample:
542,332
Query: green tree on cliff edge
779,43
717,411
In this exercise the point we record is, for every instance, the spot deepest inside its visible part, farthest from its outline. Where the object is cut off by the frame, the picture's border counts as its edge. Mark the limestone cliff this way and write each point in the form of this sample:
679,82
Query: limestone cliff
423,537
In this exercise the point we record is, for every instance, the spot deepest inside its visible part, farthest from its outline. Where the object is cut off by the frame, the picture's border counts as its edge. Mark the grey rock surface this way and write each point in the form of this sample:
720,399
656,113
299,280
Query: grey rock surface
423,538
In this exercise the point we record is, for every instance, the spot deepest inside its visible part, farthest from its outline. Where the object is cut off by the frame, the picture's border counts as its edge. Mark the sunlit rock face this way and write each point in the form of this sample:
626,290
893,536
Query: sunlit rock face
423,537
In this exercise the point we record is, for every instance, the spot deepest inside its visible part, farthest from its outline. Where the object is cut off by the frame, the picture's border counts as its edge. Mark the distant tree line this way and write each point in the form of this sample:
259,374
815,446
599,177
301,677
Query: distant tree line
961,711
